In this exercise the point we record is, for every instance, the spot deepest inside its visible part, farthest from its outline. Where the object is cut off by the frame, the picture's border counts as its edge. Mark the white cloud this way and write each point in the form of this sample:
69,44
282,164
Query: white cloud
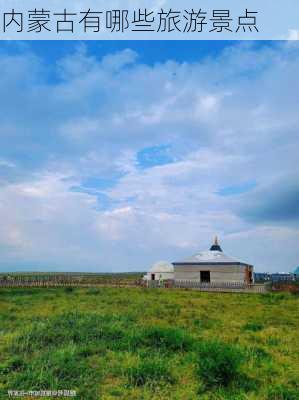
117,61
293,34
5,163
227,120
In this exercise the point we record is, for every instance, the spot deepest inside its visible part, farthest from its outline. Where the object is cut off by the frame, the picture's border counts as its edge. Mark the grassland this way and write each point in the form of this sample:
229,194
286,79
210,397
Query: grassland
131,343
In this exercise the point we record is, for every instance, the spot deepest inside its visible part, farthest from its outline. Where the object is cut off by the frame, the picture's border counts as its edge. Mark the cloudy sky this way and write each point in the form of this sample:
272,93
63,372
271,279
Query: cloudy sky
115,155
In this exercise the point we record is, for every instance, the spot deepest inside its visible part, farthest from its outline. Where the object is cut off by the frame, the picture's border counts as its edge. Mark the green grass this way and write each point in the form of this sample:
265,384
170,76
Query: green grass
253,326
130,343
150,372
219,364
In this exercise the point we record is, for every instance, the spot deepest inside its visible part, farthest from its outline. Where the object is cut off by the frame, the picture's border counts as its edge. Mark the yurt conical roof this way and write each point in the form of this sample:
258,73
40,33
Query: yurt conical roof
213,256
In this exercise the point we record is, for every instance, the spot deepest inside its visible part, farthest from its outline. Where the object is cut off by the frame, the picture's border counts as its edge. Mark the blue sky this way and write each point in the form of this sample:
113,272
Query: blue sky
114,155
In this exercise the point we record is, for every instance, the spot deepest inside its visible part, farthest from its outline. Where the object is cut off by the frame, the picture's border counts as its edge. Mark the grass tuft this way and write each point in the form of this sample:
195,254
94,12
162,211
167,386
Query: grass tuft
55,370
274,298
151,372
219,364
69,289
282,392
163,339
70,327
253,326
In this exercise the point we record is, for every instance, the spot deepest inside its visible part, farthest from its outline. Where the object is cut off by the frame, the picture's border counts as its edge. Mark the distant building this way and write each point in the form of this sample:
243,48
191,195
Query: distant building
262,276
213,266
160,271
283,276
275,277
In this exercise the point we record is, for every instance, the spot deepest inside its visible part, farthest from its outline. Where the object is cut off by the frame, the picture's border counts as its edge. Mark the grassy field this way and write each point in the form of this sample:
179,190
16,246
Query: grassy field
76,277
138,344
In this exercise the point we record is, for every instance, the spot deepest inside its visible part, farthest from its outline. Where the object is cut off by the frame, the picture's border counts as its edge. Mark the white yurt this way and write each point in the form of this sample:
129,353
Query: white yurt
213,266
160,271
